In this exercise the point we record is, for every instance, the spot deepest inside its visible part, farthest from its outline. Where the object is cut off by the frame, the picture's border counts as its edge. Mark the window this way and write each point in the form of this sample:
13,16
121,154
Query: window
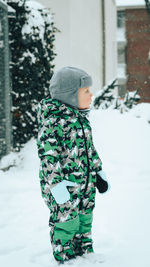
121,19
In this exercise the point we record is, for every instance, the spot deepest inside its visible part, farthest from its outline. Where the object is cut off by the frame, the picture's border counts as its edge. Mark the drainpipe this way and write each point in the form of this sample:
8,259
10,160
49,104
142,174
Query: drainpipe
103,42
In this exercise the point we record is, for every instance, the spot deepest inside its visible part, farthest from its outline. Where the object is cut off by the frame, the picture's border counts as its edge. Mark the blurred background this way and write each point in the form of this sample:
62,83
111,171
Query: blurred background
109,39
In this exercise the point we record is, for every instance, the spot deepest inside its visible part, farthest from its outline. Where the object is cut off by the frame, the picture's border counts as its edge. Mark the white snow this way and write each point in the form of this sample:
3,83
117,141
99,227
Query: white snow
29,54
35,20
142,110
121,231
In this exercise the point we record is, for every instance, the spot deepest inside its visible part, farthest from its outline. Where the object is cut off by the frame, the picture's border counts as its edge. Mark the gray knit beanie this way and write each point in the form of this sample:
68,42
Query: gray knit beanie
65,83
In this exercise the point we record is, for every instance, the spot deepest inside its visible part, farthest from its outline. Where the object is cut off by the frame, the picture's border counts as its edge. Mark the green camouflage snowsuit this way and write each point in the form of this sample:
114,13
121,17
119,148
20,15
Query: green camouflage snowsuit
67,152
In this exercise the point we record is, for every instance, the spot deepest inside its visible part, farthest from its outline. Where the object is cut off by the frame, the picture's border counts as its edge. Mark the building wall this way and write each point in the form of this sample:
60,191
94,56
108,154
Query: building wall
80,42
111,43
138,47
86,38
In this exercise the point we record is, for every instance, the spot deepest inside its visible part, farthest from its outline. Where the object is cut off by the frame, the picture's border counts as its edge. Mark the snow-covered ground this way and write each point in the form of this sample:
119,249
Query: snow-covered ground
121,231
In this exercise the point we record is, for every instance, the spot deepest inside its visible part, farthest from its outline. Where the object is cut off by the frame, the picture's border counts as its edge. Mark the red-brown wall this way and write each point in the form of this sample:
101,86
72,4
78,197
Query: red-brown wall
138,46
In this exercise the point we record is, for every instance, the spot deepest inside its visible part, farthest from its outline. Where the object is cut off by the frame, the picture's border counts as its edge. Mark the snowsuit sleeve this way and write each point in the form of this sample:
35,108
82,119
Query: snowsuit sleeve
49,152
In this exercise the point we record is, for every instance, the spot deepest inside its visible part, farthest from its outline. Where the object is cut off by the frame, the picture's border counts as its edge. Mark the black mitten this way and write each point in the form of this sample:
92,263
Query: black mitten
101,184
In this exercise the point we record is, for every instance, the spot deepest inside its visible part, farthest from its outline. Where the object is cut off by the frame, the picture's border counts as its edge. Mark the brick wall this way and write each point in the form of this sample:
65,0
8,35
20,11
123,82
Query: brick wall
138,46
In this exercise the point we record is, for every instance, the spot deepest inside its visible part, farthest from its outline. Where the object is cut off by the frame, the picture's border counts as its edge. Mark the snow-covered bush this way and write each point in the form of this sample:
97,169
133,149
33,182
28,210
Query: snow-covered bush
105,99
32,36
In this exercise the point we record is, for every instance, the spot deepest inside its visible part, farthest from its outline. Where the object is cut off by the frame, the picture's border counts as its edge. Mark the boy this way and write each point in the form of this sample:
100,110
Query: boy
70,168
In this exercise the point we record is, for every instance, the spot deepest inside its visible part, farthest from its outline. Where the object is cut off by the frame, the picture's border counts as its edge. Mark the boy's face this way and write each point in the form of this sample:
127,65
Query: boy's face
84,97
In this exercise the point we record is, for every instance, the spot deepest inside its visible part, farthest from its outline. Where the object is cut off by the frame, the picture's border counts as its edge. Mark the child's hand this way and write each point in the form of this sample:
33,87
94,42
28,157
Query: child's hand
101,182
60,192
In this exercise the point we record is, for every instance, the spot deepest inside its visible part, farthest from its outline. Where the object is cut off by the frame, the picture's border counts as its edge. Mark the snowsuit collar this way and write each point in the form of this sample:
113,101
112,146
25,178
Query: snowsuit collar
71,109
49,106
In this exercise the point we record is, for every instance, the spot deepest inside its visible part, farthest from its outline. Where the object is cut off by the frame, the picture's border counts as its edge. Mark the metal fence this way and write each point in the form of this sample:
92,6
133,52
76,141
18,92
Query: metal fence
5,97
